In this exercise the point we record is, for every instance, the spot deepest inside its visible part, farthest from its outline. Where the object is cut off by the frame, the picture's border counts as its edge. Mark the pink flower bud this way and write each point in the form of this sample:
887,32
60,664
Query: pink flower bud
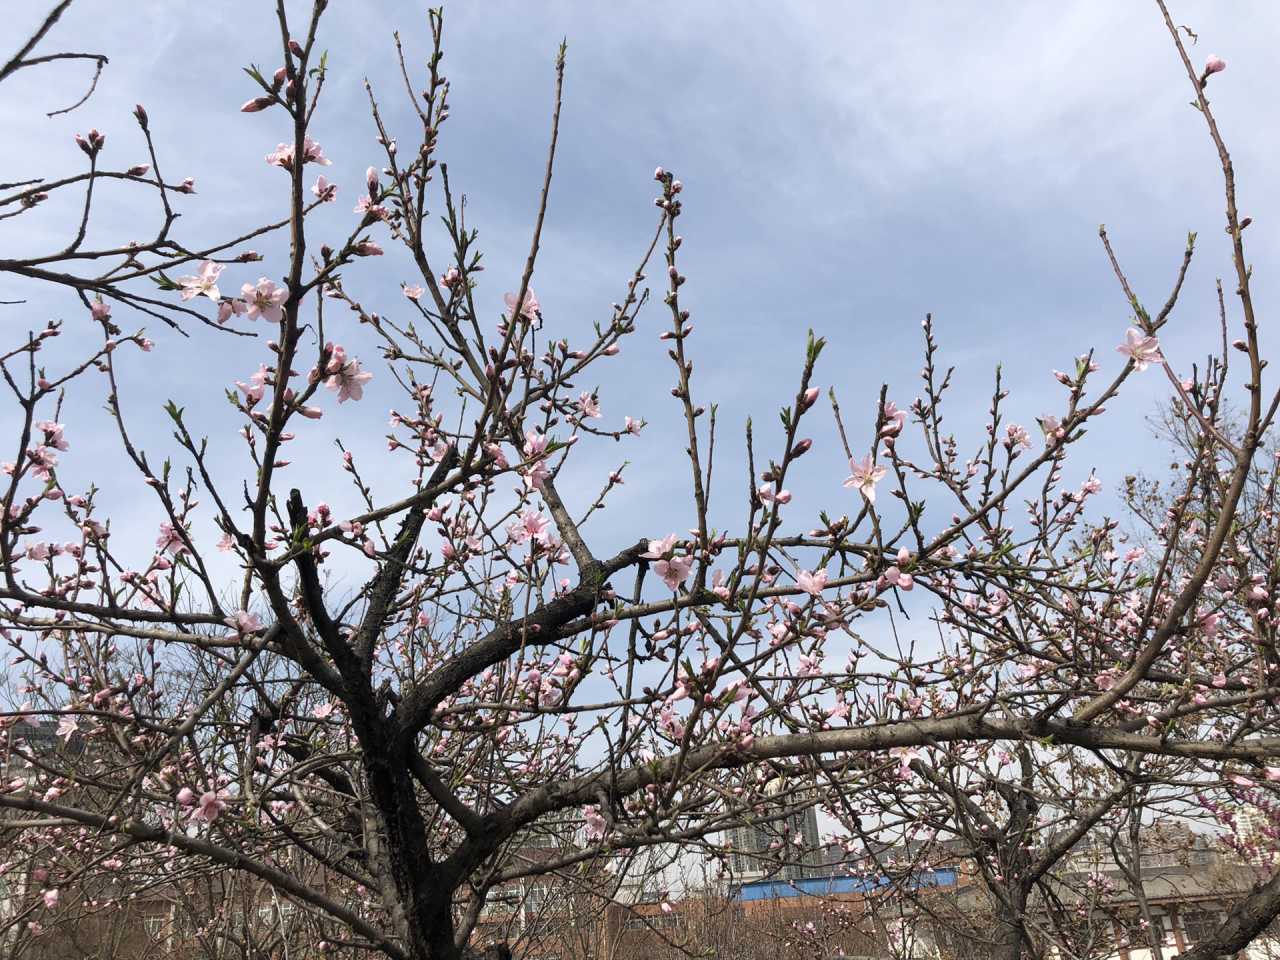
1214,65
141,115
256,104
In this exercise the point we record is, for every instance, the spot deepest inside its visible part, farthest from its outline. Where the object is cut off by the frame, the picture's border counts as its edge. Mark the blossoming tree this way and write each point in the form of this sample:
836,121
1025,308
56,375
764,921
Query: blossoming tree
383,756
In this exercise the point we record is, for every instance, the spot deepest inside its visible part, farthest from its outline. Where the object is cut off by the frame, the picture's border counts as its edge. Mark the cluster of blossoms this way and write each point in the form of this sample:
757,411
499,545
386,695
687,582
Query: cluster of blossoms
262,300
342,373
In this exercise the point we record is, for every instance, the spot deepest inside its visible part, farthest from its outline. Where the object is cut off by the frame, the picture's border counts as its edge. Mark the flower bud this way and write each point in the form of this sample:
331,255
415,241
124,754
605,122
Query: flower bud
256,104
1214,65
141,115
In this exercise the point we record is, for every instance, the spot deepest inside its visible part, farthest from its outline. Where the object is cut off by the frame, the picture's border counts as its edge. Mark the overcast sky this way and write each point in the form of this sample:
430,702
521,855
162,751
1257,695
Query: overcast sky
848,167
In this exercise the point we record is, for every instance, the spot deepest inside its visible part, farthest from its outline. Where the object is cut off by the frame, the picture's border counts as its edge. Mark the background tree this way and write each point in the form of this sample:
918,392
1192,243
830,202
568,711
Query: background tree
380,754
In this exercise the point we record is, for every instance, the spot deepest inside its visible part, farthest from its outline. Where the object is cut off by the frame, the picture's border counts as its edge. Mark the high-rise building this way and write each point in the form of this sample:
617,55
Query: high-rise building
776,844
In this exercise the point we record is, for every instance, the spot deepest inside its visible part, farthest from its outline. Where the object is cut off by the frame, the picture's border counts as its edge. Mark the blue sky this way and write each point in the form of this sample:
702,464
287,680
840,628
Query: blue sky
847,168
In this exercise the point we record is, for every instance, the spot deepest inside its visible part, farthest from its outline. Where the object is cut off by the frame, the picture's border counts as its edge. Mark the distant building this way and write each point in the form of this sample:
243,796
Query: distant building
1187,881
776,844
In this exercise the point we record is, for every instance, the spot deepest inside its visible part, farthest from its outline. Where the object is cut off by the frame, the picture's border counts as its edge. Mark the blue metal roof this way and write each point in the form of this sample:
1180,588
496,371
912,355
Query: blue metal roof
824,886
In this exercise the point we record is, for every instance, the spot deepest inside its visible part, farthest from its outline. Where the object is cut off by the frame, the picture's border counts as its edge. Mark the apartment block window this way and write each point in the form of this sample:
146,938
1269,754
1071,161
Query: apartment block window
156,926
1139,936
1199,925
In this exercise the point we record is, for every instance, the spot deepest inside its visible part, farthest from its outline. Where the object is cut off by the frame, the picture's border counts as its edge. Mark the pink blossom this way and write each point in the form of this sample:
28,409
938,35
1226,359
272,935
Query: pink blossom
243,623
346,377
170,539
283,154
413,293
323,189
43,460
767,494
673,570
589,406
595,823
257,385
894,419
865,476
204,282
369,208
264,299
894,577
50,898
530,525
1017,437
324,711
1052,428
53,434
812,583
207,810
1141,349
535,444
660,548
1214,65
228,307
905,755
186,797
632,426
67,726
530,310
100,310
718,585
